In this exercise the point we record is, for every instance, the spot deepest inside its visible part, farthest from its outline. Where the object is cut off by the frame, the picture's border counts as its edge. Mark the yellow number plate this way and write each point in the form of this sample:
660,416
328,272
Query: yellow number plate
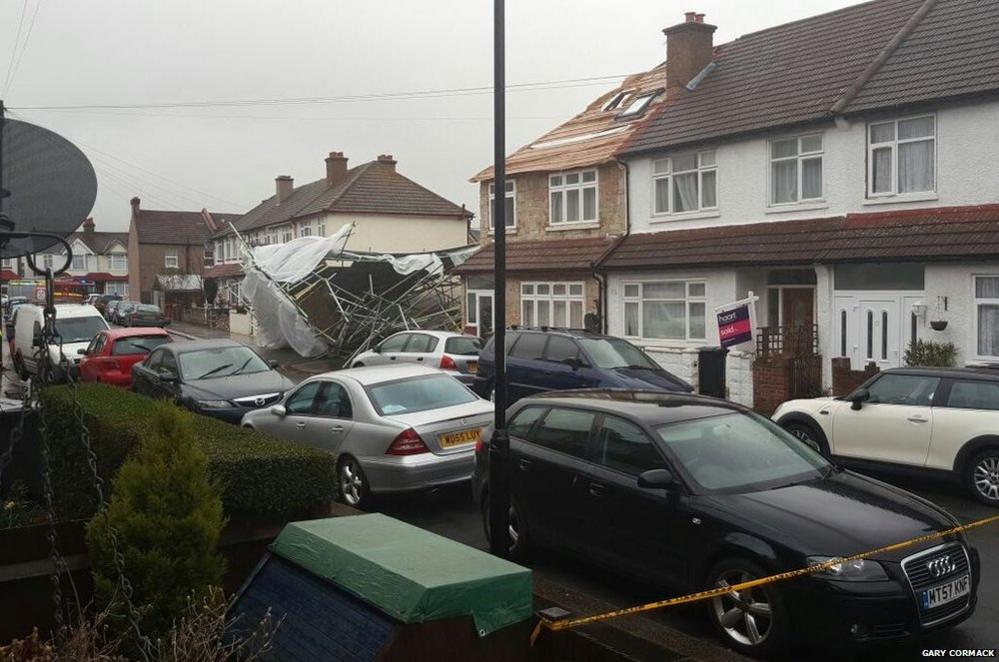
460,438
473,367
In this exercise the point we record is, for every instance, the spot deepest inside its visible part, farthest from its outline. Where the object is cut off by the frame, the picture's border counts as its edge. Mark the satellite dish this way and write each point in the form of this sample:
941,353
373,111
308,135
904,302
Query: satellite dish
51,186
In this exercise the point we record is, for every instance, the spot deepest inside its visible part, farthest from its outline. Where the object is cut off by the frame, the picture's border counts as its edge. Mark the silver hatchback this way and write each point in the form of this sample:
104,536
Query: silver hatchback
393,428
454,353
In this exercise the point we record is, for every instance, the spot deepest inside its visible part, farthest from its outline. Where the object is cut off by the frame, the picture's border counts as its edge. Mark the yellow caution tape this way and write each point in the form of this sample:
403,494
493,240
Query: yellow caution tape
722,590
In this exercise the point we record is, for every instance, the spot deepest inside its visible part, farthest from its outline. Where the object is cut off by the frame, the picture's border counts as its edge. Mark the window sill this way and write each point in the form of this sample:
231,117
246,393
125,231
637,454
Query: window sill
660,344
565,227
791,208
693,215
901,199
509,231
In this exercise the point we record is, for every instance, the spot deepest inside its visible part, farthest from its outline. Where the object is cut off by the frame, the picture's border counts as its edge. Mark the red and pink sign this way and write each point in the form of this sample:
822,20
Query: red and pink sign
735,326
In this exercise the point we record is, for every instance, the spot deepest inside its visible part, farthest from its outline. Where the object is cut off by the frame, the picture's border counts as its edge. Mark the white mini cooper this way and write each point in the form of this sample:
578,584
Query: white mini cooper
929,419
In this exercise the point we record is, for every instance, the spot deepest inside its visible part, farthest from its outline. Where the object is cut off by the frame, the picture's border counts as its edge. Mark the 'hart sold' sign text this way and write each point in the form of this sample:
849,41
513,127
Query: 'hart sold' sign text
734,326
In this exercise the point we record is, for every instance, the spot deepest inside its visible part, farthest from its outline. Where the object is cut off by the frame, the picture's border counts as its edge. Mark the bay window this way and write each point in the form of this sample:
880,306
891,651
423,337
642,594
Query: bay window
901,157
511,204
795,169
987,314
685,183
667,310
573,197
552,304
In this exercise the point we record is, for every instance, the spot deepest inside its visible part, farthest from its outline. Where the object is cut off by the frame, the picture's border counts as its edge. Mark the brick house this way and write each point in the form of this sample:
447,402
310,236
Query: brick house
566,205
391,214
167,243
836,167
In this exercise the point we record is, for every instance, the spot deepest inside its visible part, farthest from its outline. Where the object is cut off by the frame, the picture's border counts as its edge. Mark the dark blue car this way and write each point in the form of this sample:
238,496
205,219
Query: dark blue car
540,360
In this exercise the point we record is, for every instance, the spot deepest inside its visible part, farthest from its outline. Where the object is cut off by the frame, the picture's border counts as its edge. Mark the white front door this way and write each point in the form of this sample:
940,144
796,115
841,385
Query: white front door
479,312
874,327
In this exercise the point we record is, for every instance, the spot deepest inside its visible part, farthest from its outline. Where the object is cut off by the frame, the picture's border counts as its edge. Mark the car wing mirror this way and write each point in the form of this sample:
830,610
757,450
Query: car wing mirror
656,479
169,378
574,363
858,398
279,410
82,351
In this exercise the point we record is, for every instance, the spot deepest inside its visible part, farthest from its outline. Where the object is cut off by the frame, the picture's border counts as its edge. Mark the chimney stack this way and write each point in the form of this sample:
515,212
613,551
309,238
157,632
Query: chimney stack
336,168
283,185
386,159
689,48
135,204
88,227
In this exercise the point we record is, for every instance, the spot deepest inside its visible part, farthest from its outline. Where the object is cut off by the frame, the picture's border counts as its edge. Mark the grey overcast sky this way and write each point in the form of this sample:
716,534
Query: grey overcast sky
121,52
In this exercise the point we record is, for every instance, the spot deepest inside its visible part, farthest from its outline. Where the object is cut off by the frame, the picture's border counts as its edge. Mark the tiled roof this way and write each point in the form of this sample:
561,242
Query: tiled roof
100,242
224,270
942,233
370,188
591,137
803,71
188,228
541,256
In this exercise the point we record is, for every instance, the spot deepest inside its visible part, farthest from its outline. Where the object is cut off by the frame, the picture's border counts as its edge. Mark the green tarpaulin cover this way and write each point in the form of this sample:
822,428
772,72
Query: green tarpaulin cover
411,574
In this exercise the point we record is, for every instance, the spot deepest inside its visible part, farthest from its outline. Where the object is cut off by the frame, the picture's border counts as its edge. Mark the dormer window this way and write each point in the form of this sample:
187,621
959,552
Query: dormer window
636,107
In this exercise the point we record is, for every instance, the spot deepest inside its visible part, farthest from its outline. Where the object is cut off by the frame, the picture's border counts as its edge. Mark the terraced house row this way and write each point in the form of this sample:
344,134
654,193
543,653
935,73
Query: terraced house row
839,167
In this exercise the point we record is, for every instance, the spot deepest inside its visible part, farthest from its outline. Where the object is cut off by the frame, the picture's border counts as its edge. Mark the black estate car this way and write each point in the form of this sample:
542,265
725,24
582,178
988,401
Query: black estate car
689,492
219,377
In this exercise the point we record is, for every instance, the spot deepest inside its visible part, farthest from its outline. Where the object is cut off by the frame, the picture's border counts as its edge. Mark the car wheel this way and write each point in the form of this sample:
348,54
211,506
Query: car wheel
353,486
519,546
753,621
808,434
982,476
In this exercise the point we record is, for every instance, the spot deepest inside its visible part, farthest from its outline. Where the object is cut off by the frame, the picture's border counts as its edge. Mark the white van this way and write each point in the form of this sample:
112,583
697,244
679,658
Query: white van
76,323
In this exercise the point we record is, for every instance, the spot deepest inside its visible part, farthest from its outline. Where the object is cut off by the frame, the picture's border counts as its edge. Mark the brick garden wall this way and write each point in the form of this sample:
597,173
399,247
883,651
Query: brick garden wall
771,382
846,380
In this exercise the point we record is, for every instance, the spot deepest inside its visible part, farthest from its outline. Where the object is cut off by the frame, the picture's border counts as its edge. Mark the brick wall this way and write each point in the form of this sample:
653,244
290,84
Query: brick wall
532,205
846,380
771,382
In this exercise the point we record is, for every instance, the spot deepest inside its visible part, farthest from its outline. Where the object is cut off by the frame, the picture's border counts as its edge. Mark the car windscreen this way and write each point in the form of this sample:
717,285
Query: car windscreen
615,353
422,393
79,329
463,346
220,362
138,344
736,452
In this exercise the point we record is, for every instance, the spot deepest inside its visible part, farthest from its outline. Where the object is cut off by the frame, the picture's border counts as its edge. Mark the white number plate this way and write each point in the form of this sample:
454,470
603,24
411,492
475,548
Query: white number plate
939,595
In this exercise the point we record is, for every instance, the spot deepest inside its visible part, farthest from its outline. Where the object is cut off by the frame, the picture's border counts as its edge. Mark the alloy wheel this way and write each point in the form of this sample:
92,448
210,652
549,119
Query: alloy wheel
745,616
806,436
986,477
351,482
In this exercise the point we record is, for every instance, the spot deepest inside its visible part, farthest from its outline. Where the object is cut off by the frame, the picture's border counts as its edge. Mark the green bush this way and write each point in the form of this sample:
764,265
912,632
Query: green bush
167,518
260,477
928,354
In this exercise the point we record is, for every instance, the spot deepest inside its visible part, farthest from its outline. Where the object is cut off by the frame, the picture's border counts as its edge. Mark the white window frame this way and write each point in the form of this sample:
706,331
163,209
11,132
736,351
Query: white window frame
667,172
82,257
637,105
799,157
687,299
285,233
171,260
559,187
511,224
118,287
980,301
472,304
893,145
124,261
573,292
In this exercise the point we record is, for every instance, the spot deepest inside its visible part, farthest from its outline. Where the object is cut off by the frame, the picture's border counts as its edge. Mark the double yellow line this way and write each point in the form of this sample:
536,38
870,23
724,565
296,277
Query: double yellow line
566,624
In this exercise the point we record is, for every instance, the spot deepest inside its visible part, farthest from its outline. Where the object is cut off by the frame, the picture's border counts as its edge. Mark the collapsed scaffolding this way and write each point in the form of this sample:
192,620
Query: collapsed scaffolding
319,298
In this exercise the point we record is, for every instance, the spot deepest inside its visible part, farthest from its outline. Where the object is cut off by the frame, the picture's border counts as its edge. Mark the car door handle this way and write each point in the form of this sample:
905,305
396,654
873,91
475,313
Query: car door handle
916,418
597,490
525,465
335,428
391,358
419,358
299,425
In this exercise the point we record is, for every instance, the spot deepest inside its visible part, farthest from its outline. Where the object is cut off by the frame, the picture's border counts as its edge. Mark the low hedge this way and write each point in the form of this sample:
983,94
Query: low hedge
261,477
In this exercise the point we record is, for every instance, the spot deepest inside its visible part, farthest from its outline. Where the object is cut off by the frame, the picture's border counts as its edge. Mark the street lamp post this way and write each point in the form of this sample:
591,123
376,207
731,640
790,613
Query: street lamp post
499,445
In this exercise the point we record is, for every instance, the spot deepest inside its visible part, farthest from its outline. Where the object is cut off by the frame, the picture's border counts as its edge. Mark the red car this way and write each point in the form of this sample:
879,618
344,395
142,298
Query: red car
112,353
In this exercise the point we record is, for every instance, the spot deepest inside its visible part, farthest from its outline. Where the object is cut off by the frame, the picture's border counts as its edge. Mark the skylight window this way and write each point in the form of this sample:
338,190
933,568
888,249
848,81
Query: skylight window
637,105
615,100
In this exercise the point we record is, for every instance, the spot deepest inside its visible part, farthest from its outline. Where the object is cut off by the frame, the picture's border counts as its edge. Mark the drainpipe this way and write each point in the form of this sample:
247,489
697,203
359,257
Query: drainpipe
600,277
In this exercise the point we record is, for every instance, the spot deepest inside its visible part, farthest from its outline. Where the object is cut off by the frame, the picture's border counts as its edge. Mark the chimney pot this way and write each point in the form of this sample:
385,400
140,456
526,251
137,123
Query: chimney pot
387,159
283,185
88,226
336,168
135,203
689,48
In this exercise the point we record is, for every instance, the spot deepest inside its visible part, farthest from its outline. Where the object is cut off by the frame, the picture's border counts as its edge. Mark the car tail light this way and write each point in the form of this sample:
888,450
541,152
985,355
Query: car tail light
447,363
407,443
480,445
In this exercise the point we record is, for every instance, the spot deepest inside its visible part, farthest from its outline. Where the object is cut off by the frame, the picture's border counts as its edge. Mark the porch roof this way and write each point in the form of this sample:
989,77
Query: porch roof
227,270
542,256
940,233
